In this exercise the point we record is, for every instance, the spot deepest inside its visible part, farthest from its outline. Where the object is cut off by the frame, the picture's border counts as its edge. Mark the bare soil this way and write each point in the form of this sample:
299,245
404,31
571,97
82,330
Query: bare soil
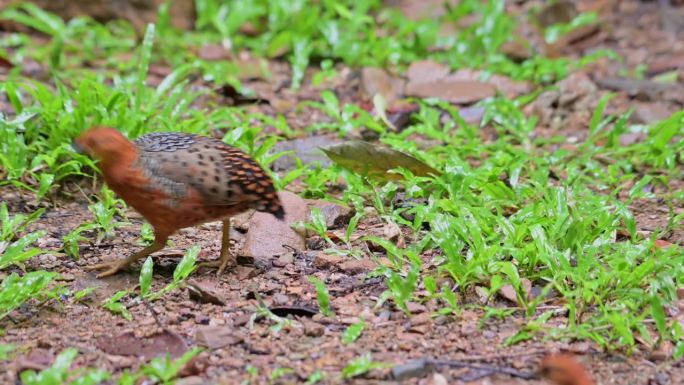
313,342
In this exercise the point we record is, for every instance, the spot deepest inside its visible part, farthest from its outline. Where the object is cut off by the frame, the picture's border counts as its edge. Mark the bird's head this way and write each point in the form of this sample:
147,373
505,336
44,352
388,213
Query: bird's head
103,143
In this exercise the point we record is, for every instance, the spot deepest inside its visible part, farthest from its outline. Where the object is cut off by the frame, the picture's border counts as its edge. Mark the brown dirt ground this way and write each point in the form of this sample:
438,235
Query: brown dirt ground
314,342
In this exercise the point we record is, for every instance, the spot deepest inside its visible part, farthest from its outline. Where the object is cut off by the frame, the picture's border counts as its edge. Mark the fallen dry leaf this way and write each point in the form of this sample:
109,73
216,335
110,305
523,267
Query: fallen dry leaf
378,81
557,12
156,345
375,160
5,63
508,292
662,244
564,369
425,71
454,91
664,64
214,52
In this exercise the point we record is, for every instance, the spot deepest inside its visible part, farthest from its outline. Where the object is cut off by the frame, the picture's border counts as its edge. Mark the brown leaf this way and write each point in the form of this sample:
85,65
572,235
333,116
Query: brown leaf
213,52
517,50
508,291
564,369
375,160
452,90
648,113
378,81
425,71
415,308
644,89
5,63
416,10
156,345
556,13
662,244
667,63
138,12
38,359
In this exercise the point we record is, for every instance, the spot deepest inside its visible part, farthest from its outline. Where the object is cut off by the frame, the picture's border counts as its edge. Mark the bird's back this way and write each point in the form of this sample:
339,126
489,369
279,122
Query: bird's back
223,175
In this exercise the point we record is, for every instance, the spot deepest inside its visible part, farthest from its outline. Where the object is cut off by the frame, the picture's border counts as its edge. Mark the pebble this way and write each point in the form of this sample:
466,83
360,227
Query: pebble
313,329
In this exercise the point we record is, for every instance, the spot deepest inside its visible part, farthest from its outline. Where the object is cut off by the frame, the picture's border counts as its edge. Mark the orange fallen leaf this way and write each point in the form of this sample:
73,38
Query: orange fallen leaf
564,369
661,244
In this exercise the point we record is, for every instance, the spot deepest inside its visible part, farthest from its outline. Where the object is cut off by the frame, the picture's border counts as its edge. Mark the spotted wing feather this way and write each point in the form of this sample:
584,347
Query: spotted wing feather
224,175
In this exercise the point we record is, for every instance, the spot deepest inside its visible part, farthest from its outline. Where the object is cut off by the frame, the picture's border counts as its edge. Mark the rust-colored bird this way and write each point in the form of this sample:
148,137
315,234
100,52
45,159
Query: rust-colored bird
178,180
564,369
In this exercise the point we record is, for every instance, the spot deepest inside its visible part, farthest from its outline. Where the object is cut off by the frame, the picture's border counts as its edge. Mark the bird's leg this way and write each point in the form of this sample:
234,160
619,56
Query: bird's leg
114,267
226,259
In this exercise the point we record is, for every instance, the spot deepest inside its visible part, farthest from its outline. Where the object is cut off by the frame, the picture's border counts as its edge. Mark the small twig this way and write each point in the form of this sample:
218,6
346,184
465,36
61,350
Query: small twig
492,368
420,367
493,357
155,315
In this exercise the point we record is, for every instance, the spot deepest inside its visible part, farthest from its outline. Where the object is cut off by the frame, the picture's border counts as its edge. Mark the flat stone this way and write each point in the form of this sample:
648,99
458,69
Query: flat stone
284,260
269,237
327,261
356,266
205,292
313,329
216,337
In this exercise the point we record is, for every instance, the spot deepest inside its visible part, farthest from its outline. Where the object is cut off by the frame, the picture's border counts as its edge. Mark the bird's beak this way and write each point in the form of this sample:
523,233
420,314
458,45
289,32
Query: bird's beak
77,147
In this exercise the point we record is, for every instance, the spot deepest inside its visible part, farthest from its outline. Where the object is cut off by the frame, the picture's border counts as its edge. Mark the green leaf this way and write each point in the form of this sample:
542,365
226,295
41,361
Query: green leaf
83,293
353,332
114,306
322,295
187,265
5,350
360,365
146,277
658,314
143,65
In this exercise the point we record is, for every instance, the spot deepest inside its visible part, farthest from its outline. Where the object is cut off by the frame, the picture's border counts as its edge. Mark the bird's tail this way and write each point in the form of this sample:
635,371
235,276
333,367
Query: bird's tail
271,206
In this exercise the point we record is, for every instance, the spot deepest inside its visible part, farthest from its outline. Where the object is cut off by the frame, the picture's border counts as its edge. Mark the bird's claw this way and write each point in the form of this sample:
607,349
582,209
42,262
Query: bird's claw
111,268
222,265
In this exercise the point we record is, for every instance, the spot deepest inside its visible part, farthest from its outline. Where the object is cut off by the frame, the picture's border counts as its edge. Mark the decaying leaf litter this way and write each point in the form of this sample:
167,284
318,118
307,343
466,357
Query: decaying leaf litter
412,313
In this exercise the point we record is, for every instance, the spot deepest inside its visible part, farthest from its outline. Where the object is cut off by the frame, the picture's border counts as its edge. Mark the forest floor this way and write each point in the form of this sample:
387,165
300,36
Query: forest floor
263,321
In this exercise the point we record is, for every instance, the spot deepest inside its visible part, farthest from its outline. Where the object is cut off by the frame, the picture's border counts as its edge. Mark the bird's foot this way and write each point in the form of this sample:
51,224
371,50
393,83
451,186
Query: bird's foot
222,264
111,268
